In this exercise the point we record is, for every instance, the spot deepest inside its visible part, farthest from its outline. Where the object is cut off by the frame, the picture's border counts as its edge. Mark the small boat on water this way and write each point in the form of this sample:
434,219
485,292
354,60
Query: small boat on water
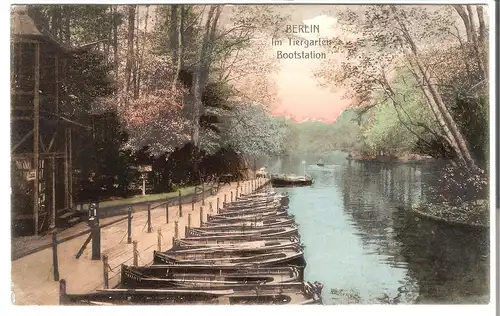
238,244
256,222
297,293
278,231
290,181
320,163
240,257
251,216
269,218
202,276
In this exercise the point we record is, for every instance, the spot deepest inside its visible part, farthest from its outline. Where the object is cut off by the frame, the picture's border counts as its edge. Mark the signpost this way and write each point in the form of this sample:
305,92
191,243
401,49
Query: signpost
144,169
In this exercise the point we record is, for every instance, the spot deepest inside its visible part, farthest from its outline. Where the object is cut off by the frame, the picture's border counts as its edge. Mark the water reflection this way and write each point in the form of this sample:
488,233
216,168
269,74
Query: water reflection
366,249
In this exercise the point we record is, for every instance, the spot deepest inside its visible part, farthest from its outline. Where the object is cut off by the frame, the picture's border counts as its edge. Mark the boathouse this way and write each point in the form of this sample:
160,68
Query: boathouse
41,162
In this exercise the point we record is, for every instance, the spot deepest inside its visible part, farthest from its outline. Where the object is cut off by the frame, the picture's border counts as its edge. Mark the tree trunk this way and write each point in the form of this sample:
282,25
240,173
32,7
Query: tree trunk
136,55
472,22
130,50
67,23
436,97
205,71
139,70
483,40
55,25
465,18
115,40
176,41
196,88
174,38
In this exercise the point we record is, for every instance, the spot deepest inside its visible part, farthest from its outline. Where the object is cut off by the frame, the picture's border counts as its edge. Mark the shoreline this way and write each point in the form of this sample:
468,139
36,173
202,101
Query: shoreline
421,213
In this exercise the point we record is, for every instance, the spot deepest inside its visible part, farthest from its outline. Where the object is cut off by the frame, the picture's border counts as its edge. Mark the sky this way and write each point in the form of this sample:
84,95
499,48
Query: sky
301,97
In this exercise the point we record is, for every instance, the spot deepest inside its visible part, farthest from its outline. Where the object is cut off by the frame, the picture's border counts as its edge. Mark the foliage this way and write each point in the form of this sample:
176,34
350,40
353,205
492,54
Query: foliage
457,185
250,130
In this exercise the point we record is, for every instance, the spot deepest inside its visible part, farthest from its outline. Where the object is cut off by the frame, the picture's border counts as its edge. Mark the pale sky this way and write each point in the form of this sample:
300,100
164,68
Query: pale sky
299,92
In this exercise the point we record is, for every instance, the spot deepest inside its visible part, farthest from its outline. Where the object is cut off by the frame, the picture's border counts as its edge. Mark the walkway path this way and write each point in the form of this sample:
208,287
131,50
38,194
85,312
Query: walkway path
32,275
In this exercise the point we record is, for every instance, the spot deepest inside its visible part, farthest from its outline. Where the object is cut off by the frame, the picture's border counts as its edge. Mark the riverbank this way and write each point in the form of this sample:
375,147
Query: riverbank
32,276
472,214
405,158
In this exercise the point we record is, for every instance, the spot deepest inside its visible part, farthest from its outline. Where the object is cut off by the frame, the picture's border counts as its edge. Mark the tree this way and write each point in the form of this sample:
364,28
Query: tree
388,40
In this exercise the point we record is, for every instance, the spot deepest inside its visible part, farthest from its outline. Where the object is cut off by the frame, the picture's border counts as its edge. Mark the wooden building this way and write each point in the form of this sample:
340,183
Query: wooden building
40,135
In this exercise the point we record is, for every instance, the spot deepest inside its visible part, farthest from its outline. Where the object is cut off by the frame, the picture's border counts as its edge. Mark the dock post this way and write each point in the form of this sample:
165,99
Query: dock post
166,211
210,207
105,271
96,242
150,228
189,221
180,204
236,196
231,196
55,262
129,225
135,253
225,200
201,215
159,239
176,230
202,193
192,203
217,205
62,292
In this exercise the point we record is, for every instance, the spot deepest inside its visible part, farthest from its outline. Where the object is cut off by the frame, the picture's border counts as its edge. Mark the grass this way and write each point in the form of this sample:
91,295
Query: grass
145,198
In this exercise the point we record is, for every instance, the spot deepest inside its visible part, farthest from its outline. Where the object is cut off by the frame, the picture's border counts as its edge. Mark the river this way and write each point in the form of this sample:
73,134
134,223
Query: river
366,249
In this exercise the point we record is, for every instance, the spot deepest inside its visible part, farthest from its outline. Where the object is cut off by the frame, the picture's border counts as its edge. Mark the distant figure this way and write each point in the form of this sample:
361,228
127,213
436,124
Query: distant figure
261,173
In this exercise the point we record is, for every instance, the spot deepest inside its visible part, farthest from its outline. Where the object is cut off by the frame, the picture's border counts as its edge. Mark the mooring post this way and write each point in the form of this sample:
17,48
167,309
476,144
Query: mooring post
150,228
55,262
217,205
236,197
129,225
166,211
225,200
96,241
189,221
210,207
135,253
202,193
176,230
105,271
62,292
180,204
201,215
231,196
159,239
192,202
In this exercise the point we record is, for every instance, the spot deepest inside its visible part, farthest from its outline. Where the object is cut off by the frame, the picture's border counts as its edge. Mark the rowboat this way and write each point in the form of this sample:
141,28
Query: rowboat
264,232
235,239
290,181
250,245
236,215
256,222
166,276
297,293
289,255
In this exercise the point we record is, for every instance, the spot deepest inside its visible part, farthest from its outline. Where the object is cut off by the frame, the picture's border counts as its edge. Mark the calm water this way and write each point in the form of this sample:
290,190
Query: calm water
365,249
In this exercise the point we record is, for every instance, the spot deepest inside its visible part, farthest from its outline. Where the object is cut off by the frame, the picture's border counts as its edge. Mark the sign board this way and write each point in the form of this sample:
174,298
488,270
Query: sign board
145,168
30,176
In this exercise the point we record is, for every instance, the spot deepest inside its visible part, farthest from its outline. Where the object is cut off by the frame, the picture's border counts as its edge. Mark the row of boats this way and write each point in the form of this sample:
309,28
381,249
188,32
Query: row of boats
247,253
